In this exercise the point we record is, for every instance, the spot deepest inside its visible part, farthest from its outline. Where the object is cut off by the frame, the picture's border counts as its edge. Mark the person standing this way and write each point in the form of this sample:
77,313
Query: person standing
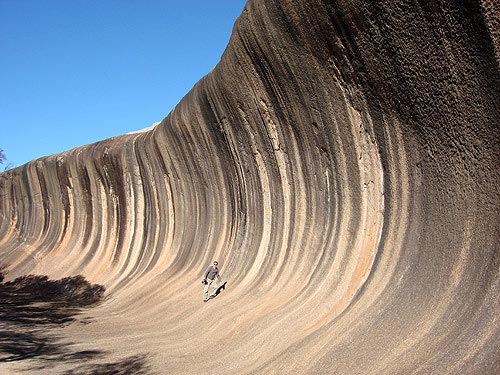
209,281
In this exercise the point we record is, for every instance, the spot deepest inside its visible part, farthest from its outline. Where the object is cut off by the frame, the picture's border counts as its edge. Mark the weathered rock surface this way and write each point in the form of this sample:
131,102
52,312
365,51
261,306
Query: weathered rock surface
342,164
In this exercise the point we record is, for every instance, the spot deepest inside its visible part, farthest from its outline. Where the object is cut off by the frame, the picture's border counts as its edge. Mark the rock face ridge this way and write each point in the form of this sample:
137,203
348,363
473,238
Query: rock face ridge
342,164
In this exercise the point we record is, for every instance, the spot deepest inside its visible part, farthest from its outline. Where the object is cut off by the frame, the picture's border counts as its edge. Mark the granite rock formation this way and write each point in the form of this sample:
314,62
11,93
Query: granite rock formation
342,164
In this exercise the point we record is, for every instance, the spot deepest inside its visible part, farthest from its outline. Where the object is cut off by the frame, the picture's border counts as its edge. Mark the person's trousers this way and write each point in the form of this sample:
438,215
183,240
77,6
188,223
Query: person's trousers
211,283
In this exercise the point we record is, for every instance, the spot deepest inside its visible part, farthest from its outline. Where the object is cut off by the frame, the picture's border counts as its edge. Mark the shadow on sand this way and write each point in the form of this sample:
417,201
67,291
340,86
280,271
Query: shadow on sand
135,365
33,305
219,290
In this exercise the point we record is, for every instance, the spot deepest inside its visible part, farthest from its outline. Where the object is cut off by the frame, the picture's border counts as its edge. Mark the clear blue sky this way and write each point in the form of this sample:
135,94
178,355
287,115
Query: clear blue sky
74,72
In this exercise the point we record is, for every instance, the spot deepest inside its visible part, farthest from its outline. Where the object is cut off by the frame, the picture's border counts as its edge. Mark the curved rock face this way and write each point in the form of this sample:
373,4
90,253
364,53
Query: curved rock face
342,164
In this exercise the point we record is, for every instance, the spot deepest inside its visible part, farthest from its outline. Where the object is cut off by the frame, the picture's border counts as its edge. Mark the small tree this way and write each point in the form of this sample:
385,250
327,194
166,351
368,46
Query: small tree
3,158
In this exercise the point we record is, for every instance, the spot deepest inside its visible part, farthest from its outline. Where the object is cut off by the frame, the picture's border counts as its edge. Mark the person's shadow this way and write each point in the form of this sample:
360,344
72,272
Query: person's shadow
219,289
